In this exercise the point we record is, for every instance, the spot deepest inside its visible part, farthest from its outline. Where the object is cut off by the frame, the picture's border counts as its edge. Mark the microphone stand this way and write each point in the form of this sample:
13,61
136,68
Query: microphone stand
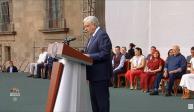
66,41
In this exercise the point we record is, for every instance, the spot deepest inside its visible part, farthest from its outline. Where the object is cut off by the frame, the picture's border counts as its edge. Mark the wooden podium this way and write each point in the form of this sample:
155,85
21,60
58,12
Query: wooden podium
61,51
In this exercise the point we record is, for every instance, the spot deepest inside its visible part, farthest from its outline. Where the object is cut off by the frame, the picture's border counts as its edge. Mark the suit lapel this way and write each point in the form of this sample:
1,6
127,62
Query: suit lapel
90,42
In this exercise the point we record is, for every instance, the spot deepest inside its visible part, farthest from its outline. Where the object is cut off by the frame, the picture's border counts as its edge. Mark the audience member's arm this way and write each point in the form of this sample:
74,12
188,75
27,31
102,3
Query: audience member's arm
166,68
183,66
157,70
142,65
192,68
121,64
113,61
132,65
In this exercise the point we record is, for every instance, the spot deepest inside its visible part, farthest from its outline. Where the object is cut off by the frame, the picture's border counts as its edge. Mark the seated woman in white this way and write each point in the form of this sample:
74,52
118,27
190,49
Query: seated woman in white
187,82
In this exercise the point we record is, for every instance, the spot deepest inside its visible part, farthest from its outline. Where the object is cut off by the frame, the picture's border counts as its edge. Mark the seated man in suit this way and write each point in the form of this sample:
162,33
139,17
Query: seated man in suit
118,64
11,67
33,66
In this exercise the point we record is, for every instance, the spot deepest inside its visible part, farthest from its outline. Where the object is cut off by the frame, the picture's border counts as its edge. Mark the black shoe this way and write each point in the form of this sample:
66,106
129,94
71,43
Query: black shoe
36,76
110,84
168,94
44,77
30,75
154,93
115,86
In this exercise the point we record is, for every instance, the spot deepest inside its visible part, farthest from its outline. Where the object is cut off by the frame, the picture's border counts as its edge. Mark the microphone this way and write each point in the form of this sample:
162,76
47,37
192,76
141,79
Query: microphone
68,40
71,39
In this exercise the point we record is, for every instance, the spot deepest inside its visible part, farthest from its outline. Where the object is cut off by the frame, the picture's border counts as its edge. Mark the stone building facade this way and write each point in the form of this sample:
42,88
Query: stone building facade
28,25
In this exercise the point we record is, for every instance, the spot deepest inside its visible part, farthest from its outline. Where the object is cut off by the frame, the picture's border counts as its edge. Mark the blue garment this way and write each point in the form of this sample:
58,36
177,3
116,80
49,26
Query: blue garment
50,60
14,69
159,77
172,63
99,50
49,65
100,73
176,62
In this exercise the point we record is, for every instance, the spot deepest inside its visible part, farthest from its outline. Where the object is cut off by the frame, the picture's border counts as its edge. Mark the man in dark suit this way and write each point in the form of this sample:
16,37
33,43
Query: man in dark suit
11,67
99,48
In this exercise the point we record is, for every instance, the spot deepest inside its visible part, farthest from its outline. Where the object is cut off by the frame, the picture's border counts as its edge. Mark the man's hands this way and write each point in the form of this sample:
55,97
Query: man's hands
165,74
87,55
170,72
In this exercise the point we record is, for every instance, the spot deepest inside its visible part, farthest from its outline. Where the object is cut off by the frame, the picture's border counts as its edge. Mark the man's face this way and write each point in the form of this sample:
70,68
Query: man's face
192,53
153,50
117,50
123,51
175,51
89,28
42,50
11,63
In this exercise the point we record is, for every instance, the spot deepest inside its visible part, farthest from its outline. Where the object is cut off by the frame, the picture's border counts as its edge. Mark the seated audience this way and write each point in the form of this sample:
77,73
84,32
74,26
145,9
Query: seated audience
175,67
187,82
11,68
149,56
159,76
48,66
189,59
124,51
131,51
137,67
153,67
190,56
118,64
33,66
170,53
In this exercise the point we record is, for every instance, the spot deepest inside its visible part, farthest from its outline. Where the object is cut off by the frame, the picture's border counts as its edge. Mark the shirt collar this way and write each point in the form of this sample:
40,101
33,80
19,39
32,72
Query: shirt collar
178,54
95,31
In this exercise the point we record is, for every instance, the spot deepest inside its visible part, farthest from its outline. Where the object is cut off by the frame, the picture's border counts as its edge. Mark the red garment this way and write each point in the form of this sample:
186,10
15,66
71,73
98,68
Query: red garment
131,74
154,63
149,78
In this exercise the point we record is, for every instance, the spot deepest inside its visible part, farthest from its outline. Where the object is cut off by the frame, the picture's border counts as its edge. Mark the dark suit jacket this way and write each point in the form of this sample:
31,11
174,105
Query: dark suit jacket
100,51
13,70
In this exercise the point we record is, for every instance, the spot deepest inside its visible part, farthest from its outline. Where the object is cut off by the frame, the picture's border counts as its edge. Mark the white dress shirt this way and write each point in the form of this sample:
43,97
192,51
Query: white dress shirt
42,57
